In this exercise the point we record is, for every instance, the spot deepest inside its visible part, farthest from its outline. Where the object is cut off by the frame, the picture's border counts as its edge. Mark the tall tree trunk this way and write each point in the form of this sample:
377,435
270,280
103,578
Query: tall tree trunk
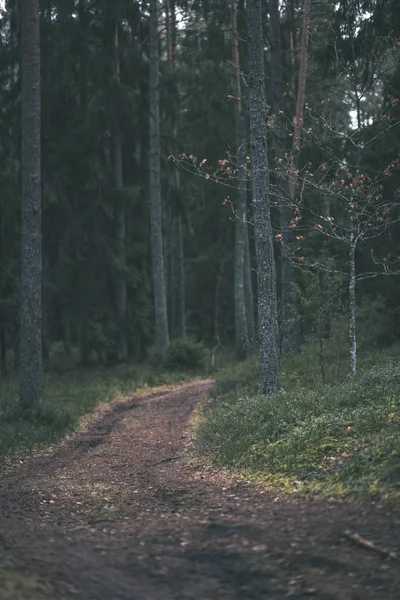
248,290
267,300
241,329
352,301
289,335
169,24
170,253
160,298
31,367
176,279
120,289
3,344
83,54
177,257
301,91
180,277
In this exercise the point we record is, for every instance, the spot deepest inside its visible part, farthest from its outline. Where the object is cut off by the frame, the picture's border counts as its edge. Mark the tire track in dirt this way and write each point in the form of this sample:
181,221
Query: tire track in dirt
120,513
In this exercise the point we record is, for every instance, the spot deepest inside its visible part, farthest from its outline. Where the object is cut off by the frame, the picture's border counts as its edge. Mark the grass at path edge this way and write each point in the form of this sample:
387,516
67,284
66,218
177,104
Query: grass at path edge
68,399
336,440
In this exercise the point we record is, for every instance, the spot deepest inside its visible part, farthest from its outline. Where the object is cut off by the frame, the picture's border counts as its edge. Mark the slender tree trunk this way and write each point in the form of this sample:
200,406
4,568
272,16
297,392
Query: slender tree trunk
248,290
178,279
352,271
216,313
180,276
241,329
120,289
3,340
83,54
289,334
267,300
299,118
169,24
160,298
31,367
352,303
171,269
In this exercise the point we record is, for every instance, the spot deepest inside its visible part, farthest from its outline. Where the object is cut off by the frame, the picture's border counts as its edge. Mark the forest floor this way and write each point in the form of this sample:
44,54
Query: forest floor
124,510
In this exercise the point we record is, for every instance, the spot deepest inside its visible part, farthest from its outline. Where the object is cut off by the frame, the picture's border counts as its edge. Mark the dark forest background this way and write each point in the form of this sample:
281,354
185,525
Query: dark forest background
95,68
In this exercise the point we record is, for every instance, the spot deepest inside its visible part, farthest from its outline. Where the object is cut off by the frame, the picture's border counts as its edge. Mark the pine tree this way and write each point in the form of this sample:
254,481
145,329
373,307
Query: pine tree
120,291
160,298
241,327
288,308
31,372
175,227
267,299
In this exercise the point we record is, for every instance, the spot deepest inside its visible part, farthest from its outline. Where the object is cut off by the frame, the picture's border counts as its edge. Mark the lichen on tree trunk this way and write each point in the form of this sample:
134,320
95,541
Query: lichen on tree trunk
352,303
267,299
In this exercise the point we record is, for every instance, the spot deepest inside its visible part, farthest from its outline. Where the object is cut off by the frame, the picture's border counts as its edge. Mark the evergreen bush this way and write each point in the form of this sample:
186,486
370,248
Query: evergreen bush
184,354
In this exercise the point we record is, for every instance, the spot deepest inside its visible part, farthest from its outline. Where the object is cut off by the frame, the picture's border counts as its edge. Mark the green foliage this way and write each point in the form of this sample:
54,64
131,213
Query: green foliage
79,193
184,355
336,439
68,397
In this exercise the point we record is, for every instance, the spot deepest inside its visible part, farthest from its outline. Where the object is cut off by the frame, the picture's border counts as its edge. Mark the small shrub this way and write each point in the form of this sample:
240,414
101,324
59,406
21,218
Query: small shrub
184,354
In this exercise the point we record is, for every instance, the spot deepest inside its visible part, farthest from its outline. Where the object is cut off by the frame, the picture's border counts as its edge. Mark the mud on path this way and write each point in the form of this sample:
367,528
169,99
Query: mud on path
120,513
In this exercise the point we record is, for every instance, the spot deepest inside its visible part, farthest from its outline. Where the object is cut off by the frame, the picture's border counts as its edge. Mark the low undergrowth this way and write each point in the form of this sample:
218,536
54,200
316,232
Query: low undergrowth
69,397
331,440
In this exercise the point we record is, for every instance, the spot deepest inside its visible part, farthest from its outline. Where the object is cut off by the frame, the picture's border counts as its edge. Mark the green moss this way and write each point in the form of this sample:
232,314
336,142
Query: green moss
341,439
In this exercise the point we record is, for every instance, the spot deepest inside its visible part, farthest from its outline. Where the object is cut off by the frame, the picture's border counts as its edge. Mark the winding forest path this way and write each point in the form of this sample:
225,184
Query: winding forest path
118,512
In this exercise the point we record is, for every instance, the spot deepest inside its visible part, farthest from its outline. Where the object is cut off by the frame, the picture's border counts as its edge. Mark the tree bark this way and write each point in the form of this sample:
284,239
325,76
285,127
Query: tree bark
120,288
180,275
352,302
31,367
248,291
267,300
177,279
3,340
160,299
289,335
299,118
241,328
83,55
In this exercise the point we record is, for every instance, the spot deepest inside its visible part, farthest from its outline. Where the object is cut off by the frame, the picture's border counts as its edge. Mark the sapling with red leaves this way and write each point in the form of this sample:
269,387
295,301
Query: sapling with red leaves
361,211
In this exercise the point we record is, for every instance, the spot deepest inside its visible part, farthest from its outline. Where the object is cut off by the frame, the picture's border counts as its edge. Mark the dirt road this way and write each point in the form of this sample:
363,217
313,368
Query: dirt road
120,513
